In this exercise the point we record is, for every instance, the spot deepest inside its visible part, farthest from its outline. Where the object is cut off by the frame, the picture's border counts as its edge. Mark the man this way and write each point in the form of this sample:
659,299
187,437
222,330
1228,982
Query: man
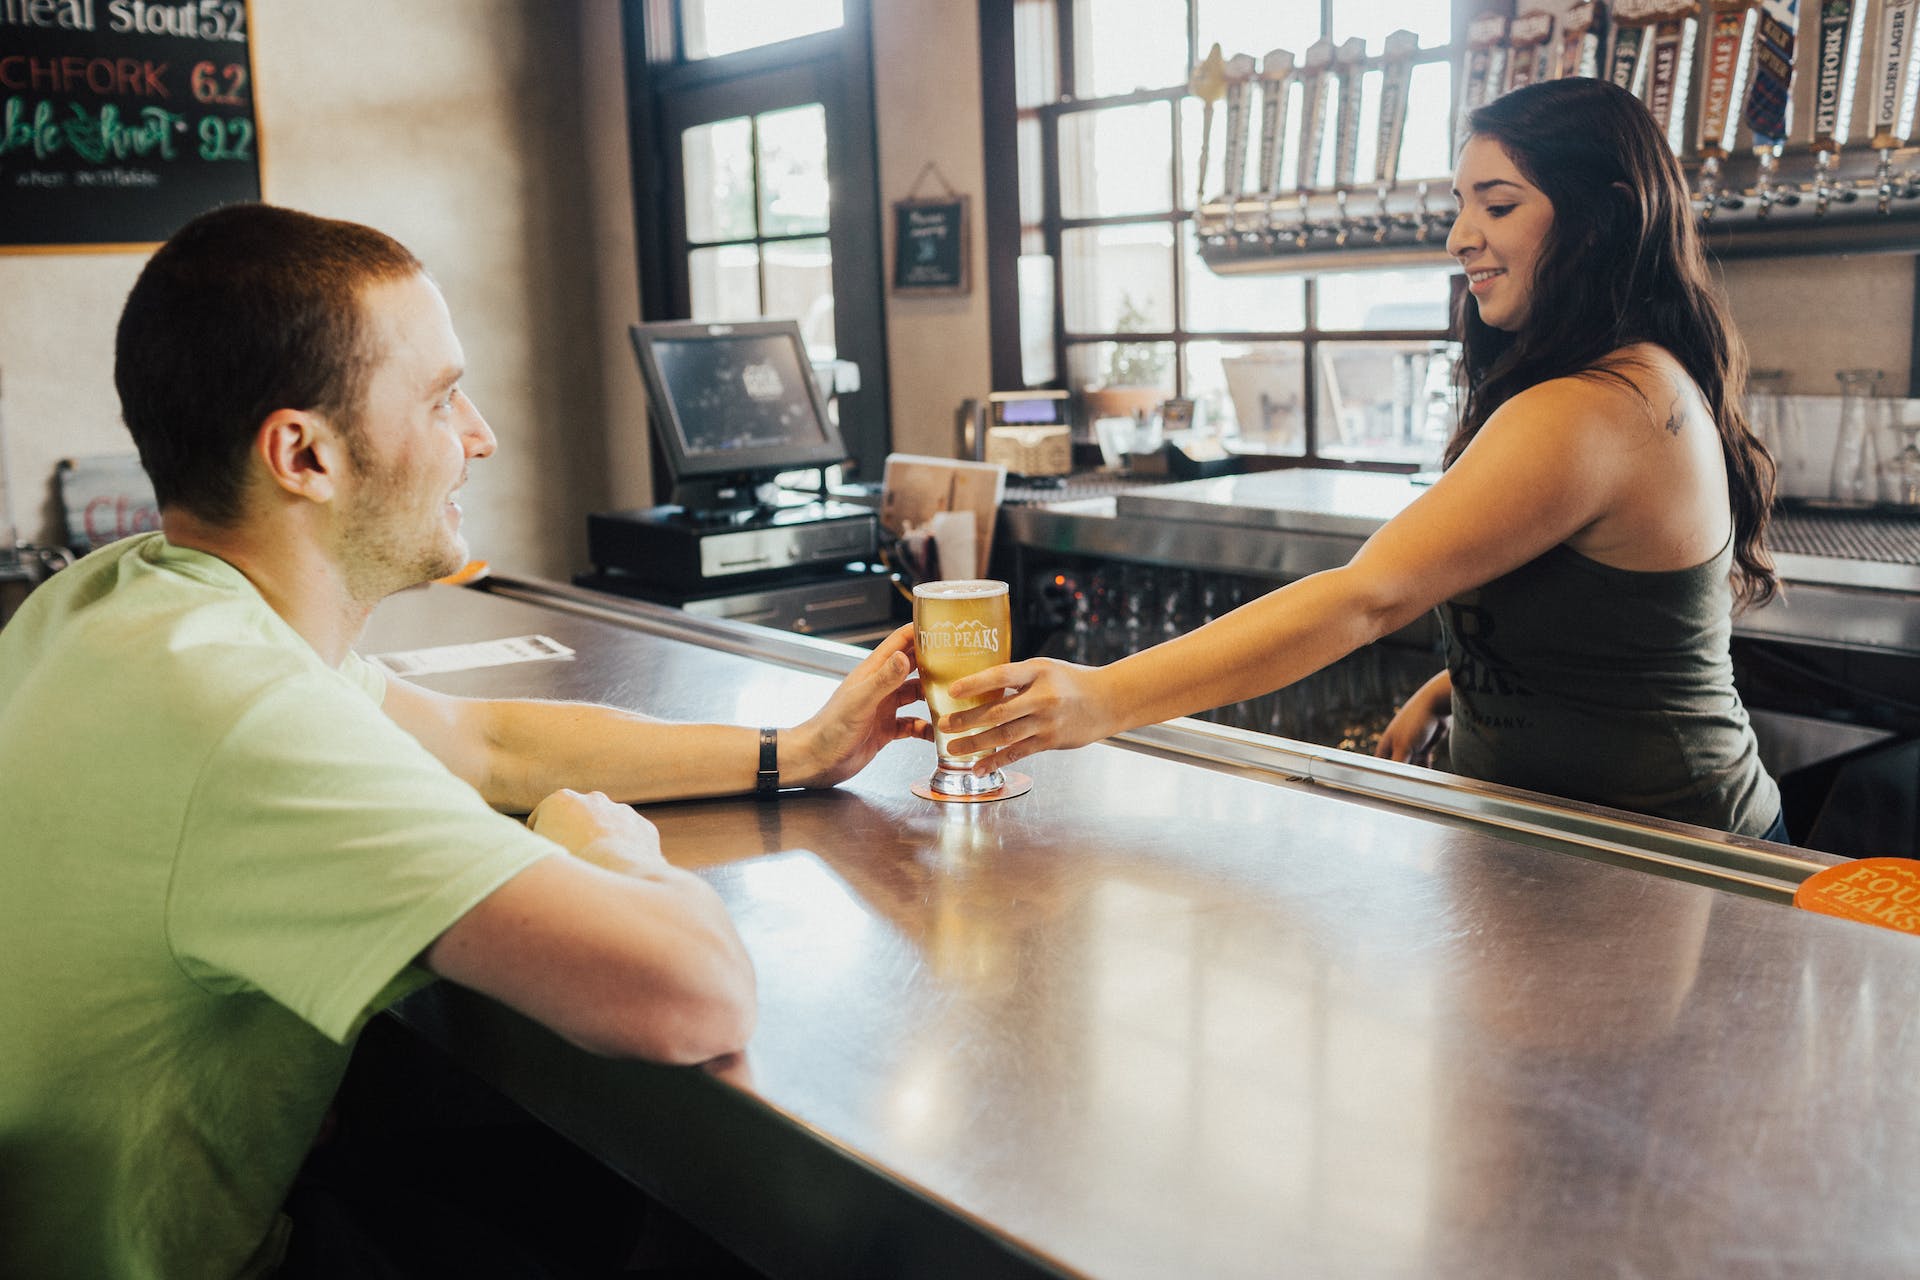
223,858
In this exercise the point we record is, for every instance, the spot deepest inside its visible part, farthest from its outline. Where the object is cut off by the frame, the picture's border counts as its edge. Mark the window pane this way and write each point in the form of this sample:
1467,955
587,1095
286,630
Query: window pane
1036,52
1147,365
1377,403
1270,303
1431,20
1427,149
800,285
1123,45
1414,299
724,282
1119,279
1032,171
793,170
1116,161
717,169
1254,392
710,28
1036,319
1259,26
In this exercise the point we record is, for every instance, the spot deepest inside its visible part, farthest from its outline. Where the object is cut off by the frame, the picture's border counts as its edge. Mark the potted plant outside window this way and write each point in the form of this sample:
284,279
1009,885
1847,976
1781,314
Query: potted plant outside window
1136,375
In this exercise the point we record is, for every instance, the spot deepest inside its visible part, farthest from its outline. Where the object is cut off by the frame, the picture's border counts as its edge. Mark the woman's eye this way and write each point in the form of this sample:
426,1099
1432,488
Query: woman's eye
1499,210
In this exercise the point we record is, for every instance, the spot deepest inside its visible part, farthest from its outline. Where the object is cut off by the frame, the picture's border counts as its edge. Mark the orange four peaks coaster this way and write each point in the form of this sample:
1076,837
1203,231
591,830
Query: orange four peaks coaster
1882,891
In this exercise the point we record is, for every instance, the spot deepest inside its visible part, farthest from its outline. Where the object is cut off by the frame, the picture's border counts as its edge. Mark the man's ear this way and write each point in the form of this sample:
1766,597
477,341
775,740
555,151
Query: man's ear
302,452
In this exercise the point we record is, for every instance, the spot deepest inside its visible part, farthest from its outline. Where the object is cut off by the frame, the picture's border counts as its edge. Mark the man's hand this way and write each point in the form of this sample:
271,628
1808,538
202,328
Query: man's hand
862,716
613,948
598,830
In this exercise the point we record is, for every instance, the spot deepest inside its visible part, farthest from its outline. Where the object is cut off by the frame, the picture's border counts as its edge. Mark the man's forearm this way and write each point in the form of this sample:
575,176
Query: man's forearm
535,748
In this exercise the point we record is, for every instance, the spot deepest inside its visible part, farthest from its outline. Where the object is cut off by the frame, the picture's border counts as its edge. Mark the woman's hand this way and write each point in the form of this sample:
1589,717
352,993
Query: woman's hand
1049,705
1416,725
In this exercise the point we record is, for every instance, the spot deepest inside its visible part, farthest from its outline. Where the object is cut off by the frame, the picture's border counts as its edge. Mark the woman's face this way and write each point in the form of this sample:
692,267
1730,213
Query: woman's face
1498,233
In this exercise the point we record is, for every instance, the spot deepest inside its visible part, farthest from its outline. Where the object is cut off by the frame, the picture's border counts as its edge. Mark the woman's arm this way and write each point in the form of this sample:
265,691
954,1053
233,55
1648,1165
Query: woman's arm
1548,464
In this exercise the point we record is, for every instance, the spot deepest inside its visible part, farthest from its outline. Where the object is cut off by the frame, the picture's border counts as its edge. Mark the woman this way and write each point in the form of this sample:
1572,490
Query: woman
1600,514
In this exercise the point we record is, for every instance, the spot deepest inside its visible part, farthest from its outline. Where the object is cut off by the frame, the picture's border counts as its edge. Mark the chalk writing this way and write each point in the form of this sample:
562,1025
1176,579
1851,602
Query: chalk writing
94,136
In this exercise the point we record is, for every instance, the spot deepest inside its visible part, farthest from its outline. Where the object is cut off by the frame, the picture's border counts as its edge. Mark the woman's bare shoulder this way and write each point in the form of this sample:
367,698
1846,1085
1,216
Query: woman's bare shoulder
1631,388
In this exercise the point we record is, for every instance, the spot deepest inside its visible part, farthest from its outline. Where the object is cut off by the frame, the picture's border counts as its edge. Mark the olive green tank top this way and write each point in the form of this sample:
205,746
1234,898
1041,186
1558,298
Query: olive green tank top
1609,686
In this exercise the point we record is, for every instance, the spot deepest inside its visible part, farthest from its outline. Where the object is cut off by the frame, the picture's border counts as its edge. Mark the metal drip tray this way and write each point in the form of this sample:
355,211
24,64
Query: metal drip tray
1878,549
1848,535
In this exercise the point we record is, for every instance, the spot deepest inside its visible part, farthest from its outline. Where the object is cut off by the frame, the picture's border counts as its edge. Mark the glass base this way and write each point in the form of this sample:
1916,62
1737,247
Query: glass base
960,782
1017,784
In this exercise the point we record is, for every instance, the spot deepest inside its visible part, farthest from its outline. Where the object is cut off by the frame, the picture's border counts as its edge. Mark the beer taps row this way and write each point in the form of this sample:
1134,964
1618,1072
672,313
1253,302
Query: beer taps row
1722,79
1298,210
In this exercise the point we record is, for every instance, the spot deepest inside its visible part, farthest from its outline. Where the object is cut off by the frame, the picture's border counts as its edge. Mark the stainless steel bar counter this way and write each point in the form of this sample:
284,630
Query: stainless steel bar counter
1207,1004
1852,581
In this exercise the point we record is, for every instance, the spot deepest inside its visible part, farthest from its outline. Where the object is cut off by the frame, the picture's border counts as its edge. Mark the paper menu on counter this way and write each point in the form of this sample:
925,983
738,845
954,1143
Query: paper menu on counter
915,488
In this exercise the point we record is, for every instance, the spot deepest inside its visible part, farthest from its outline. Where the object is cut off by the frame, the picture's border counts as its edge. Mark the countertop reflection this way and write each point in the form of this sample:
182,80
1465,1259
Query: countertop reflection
1153,1019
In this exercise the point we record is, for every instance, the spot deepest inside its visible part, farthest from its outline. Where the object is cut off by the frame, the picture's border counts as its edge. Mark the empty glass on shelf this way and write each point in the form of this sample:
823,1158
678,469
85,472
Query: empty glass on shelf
1903,469
1856,462
1775,417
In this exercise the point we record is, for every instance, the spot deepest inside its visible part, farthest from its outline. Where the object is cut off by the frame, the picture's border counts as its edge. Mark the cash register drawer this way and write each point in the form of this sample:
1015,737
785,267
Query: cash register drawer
813,608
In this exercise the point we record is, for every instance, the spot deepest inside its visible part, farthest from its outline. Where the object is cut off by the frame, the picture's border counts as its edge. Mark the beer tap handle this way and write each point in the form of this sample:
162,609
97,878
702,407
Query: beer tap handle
1315,65
1577,48
1239,72
1486,66
1730,31
1276,76
1209,84
1669,67
1893,70
1529,45
1396,83
1768,109
1837,51
1630,19
1350,68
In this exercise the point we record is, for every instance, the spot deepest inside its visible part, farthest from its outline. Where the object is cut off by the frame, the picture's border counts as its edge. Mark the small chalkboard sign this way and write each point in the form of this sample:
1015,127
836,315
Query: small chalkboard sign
930,245
122,119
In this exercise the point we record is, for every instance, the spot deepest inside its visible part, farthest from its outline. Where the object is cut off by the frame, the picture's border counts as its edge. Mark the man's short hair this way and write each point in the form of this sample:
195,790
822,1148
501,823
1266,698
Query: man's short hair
246,310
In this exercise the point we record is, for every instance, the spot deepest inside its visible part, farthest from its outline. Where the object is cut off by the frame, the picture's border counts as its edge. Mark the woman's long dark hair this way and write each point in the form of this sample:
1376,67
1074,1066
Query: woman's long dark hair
1622,263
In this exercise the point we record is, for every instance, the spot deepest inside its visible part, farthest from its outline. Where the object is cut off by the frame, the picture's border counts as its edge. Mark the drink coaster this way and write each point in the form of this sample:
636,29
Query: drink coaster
1018,784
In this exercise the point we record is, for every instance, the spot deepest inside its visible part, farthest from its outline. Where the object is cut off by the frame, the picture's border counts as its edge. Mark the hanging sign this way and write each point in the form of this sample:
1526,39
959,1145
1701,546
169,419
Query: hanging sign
930,241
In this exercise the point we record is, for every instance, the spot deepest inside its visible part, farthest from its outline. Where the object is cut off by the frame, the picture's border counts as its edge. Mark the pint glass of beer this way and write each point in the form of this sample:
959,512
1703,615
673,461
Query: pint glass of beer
959,628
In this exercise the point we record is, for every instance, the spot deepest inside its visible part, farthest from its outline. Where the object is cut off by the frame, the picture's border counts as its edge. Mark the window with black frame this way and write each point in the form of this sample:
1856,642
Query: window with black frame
753,151
1115,302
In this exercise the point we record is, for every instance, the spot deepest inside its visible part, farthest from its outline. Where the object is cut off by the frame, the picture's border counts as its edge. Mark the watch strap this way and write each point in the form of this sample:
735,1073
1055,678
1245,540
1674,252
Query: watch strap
767,781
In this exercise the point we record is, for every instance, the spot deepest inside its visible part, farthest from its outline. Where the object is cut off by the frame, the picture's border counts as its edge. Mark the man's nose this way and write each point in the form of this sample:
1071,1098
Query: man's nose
478,435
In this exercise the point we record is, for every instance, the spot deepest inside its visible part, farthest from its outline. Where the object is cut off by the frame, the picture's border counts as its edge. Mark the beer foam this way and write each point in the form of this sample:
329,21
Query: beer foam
959,589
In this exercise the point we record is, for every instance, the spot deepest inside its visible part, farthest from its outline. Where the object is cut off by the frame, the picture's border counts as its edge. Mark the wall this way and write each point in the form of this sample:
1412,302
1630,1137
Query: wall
926,68
456,126
1812,316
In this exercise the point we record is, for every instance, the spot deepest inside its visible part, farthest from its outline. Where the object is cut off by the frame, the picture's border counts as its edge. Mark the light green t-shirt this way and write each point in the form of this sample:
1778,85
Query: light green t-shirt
219,859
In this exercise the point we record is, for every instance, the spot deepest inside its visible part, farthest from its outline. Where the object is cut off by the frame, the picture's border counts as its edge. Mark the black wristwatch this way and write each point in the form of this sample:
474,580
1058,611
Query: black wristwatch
767,781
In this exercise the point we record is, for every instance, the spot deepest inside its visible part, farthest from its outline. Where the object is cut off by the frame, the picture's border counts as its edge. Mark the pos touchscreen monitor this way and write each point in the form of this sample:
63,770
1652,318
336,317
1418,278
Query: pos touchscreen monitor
734,404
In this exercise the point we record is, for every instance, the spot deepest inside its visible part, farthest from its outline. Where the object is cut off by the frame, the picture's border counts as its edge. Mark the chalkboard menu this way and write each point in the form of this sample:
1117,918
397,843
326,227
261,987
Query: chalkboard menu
122,119
930,245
